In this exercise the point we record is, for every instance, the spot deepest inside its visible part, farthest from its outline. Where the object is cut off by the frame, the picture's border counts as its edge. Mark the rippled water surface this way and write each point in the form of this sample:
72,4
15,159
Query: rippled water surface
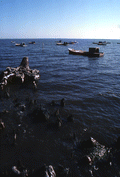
90,86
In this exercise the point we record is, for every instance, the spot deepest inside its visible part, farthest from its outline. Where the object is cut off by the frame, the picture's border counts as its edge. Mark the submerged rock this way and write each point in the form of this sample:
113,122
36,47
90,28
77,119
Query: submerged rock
62,171
91,151
40,114
20,74
62,102
2,125
19,170
45,171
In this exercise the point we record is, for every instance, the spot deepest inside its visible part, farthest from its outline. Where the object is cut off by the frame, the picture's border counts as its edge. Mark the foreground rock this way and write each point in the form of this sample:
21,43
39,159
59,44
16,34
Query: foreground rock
91,151
20,74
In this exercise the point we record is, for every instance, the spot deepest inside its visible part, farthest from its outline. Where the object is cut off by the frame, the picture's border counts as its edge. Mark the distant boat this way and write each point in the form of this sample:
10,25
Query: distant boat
93,52
12,41
21,44
95,42
73,42
60,43
101,43
33,42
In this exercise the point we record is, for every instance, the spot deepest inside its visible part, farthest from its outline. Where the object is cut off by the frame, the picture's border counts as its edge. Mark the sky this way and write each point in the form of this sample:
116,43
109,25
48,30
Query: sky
84,19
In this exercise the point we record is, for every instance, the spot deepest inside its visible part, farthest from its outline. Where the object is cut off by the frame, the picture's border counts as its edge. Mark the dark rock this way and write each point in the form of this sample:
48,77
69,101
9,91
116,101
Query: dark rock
19,170
2,125
118,143
62,171
56,113
86,160
40,114
70,118
21,74
45,171
58,122
53,103
62,103
22,107
7,94
25,63
89,143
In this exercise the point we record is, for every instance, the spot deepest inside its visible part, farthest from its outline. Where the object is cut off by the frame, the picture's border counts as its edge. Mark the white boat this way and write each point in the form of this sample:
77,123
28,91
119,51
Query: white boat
21,44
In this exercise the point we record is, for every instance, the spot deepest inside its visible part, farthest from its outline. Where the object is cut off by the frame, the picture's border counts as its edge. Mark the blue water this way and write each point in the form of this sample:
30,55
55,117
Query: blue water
90,86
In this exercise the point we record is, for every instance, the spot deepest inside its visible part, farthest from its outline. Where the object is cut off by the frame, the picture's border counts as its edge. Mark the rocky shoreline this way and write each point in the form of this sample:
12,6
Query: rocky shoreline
21,74
42,140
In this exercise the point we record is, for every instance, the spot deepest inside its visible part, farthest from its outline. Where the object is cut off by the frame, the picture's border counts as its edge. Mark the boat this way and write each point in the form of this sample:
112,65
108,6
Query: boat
72,42
95,42
33,42
101,43
93,52
12,41
60,43
21,44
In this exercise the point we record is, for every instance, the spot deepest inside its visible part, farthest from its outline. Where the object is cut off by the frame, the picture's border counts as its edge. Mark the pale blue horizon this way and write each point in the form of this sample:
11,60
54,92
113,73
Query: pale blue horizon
83,19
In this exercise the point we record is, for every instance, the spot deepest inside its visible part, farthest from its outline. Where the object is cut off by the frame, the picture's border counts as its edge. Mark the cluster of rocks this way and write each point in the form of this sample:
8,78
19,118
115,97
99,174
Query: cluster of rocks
20,74
89,153
98,159
43,171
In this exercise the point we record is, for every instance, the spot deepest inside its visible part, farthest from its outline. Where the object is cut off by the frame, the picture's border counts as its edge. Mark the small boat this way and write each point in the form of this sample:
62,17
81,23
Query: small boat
60,43
21,44
102,43
93,52
73,42
12,41
95,42
33,42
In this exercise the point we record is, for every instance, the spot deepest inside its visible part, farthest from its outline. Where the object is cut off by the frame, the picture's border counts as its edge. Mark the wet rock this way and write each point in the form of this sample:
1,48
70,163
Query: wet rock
53,103
40,114
58,122
2,125
34,85
45,171
118,143
91,151
15,170
25,63
7,94
20,74
70,118
31,102
89,143
62,103
57,113
19,170
86,160
62,171
50,171
22,107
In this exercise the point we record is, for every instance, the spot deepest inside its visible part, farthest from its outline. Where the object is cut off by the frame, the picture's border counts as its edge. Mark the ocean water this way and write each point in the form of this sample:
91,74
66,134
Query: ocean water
90,86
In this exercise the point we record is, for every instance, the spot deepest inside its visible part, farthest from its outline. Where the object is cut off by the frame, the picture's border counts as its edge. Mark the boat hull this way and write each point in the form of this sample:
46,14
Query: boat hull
84,53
